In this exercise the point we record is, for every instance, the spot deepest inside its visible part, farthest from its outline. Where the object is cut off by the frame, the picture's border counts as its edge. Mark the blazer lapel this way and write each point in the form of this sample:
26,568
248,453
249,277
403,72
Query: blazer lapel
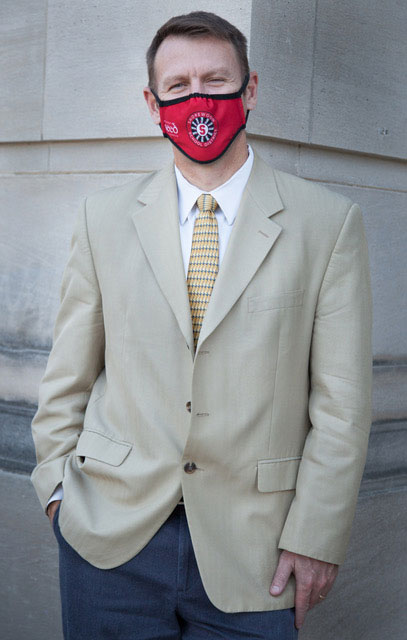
157,224
252,237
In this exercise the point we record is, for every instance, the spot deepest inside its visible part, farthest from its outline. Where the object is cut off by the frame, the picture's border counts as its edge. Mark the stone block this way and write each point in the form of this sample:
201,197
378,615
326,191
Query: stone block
23,158
278,154
330,165
29,589
281,50
96,67
389,391
367,600
16,444
22,51
36,227
21,373
386,463
359,93
331,74
141,154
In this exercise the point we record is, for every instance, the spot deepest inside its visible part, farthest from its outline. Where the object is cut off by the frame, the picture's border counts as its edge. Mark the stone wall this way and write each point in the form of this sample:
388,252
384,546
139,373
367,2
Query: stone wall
332,109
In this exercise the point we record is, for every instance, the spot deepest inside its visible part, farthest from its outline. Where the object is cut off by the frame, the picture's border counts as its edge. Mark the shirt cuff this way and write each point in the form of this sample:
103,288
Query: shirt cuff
57,495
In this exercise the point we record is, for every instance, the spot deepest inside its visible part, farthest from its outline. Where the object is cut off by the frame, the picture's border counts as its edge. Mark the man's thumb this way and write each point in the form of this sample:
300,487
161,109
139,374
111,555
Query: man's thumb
281,576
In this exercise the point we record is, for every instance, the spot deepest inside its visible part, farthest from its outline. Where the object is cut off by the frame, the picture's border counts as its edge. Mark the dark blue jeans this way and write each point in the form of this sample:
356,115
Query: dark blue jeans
156,595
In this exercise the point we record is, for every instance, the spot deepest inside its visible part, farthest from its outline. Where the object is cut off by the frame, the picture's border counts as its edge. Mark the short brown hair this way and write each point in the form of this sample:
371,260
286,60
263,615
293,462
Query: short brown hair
194,25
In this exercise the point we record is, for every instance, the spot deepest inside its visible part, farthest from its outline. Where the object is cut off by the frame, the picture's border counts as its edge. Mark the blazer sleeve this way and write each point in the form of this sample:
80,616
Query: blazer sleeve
320,517
75,361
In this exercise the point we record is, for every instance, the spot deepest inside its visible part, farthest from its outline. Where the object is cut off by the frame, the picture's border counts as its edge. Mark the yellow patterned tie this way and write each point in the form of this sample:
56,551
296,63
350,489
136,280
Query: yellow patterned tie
204,261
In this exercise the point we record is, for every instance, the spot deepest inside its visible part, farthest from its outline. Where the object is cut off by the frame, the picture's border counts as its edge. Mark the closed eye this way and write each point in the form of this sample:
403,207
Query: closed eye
179,85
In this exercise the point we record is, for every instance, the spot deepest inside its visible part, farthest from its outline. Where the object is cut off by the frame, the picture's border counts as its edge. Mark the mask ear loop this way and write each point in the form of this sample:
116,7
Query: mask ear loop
243,89
244,85
158,101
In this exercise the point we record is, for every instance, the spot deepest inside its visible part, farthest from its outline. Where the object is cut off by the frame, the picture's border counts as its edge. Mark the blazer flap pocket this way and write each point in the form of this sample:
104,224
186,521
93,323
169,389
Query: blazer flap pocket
276,301
279,474
92,444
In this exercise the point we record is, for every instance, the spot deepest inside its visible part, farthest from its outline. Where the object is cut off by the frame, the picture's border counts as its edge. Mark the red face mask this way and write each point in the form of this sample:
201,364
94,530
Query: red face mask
203,126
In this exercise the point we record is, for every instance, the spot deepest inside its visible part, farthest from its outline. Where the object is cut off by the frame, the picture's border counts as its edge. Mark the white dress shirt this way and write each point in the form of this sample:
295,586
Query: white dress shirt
228,197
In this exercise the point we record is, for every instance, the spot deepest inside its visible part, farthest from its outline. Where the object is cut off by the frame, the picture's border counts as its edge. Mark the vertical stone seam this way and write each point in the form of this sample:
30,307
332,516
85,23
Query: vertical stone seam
44,74
311,112
297,162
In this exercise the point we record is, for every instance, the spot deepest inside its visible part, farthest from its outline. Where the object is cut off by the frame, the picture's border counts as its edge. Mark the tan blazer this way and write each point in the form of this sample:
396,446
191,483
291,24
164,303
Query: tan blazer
279,385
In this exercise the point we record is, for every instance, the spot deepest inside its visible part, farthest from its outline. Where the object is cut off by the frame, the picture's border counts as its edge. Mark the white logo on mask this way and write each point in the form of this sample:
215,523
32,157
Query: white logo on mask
202,128
171,128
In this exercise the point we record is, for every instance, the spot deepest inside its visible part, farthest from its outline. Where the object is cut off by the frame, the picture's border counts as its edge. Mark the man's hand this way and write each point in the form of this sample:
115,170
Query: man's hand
52,507
313,580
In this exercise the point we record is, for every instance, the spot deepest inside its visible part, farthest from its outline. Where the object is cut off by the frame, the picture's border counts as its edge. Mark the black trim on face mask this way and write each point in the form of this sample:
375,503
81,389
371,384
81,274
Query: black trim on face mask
213,159
213,96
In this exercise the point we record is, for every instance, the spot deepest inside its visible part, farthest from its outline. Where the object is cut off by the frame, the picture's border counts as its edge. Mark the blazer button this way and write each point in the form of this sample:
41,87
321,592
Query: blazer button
190,467
188,406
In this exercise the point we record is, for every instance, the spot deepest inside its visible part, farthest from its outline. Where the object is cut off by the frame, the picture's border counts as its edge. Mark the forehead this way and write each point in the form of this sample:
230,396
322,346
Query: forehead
182,55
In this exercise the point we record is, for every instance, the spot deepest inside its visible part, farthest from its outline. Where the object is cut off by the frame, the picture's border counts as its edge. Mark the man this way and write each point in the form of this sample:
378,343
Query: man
212,349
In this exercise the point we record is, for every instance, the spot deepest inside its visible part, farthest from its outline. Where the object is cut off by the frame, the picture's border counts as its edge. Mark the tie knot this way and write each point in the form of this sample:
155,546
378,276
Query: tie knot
206,203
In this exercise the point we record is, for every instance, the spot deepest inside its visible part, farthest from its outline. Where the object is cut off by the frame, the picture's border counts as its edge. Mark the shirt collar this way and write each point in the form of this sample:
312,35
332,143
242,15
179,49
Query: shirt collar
227,195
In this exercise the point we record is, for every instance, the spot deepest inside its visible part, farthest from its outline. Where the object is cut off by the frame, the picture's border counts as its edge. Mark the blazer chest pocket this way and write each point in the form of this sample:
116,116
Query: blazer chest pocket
95,445
277,301
279,474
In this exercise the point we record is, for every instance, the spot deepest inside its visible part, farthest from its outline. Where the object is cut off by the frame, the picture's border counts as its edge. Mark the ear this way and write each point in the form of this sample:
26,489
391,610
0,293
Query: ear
152,105
250,94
